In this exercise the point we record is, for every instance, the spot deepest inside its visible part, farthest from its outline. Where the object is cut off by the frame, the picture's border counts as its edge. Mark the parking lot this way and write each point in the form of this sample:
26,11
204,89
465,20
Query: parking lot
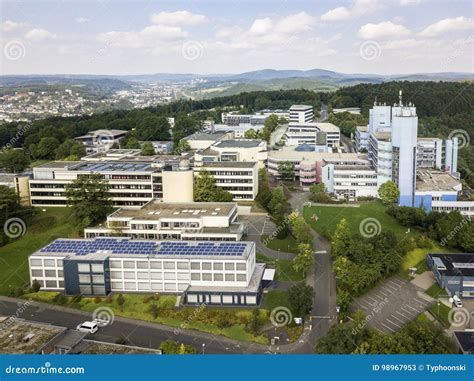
391,305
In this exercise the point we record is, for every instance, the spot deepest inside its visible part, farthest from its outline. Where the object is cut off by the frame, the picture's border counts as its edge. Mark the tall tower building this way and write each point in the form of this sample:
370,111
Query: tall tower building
404,144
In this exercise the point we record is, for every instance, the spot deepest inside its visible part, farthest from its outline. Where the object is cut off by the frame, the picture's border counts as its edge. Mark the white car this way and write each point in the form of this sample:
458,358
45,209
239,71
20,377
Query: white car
457,301
88,327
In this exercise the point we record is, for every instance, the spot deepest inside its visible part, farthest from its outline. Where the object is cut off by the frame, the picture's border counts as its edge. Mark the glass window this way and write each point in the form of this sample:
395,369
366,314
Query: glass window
50,262
98,279
85,290
218,266
218,277
241,266
118,285
169,265
195,266
142,275
83,267
50,273
130,286
241,278
60,273
183,276
183,265
116,264
142,265
229,277
206,276
155,264
156,276
99,290
116,274
170,276
36,262
195,276
129,275
206,265
97,268
129,264
37,273
84,279
229,266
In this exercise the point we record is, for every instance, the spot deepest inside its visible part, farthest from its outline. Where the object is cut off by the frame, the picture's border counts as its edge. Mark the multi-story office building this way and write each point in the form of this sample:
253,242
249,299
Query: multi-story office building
300,114
101,140
196,221
234,119
224,273
307,133
437,153
131,183
361,138
240,178
253,150
453,272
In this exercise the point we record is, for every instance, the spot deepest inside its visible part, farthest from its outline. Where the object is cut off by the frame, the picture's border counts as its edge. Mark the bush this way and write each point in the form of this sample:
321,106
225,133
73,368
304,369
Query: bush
97,300
109,299
147,299
18,292
76,299
60,299
36,286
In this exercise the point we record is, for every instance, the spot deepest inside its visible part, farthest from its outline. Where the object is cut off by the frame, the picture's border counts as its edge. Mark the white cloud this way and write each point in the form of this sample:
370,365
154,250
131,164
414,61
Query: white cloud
448,25
261,26
9,25
178,18
295,23
39,34
356,9
385,29
402,45
409,2
151,36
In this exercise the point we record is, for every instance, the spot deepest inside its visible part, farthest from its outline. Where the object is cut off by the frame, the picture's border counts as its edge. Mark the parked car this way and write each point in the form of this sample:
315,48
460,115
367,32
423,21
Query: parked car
88,327
457,301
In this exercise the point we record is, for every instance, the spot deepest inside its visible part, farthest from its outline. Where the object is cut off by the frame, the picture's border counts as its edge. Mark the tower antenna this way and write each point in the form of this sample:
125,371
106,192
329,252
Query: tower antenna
400,98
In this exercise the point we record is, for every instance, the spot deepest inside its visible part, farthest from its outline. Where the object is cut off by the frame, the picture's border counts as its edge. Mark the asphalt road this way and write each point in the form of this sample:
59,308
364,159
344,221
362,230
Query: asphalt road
348,144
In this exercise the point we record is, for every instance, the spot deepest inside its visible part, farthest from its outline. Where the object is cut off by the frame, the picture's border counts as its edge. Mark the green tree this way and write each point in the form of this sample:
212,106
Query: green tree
206,190
389,193
185,125
286,171
182,147
153,128
251,134
147,149
172,347
301,230
301,299
70,149
342,239
132,143
35,285
46,148
304,261
89,199
120,301
13,160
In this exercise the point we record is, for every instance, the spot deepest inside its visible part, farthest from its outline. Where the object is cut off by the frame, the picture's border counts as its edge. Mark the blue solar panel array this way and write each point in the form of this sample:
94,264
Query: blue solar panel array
125,246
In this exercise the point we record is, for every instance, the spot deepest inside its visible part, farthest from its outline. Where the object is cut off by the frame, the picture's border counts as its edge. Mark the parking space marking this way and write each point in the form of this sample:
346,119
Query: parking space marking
401,321
391,322
389,328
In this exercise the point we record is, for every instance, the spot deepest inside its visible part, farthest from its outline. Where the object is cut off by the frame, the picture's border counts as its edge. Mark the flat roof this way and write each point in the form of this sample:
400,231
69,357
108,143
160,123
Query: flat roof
22,337
432,180
111,166
239,143
228,164
455,264
155,209
203,135
290,153
300,107
327,127
465,340
102,247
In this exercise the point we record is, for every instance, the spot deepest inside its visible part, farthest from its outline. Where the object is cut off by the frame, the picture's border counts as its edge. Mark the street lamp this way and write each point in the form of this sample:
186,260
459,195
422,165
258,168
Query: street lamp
438,308
203,346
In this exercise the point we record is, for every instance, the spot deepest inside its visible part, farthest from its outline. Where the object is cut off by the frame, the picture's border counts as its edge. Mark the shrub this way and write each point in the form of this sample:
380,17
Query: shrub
36,286
97,300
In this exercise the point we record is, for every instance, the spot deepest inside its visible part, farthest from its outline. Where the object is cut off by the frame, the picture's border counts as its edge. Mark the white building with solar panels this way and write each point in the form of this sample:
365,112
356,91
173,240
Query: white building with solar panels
215,273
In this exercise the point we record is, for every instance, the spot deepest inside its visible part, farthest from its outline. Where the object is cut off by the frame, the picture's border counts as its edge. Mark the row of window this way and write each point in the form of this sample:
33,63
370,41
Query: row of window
172,265
153,286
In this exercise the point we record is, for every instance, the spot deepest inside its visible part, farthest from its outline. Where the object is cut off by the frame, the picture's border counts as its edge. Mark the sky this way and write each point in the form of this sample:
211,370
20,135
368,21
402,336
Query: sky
234,36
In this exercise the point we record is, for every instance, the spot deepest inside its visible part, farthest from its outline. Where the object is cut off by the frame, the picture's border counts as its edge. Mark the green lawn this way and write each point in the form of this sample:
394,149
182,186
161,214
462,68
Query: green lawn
284,268
329,216
227,322
435,291
287,244
277,298
42,229
443,314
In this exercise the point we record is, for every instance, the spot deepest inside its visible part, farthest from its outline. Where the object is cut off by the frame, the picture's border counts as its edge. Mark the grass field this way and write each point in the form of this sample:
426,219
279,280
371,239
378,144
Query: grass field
329,216
287,244
277,298
284,268
42,229
435,291
138,307
441,313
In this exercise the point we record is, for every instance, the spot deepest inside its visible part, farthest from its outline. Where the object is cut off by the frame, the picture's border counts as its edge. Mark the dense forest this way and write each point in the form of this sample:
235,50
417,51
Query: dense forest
442,107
